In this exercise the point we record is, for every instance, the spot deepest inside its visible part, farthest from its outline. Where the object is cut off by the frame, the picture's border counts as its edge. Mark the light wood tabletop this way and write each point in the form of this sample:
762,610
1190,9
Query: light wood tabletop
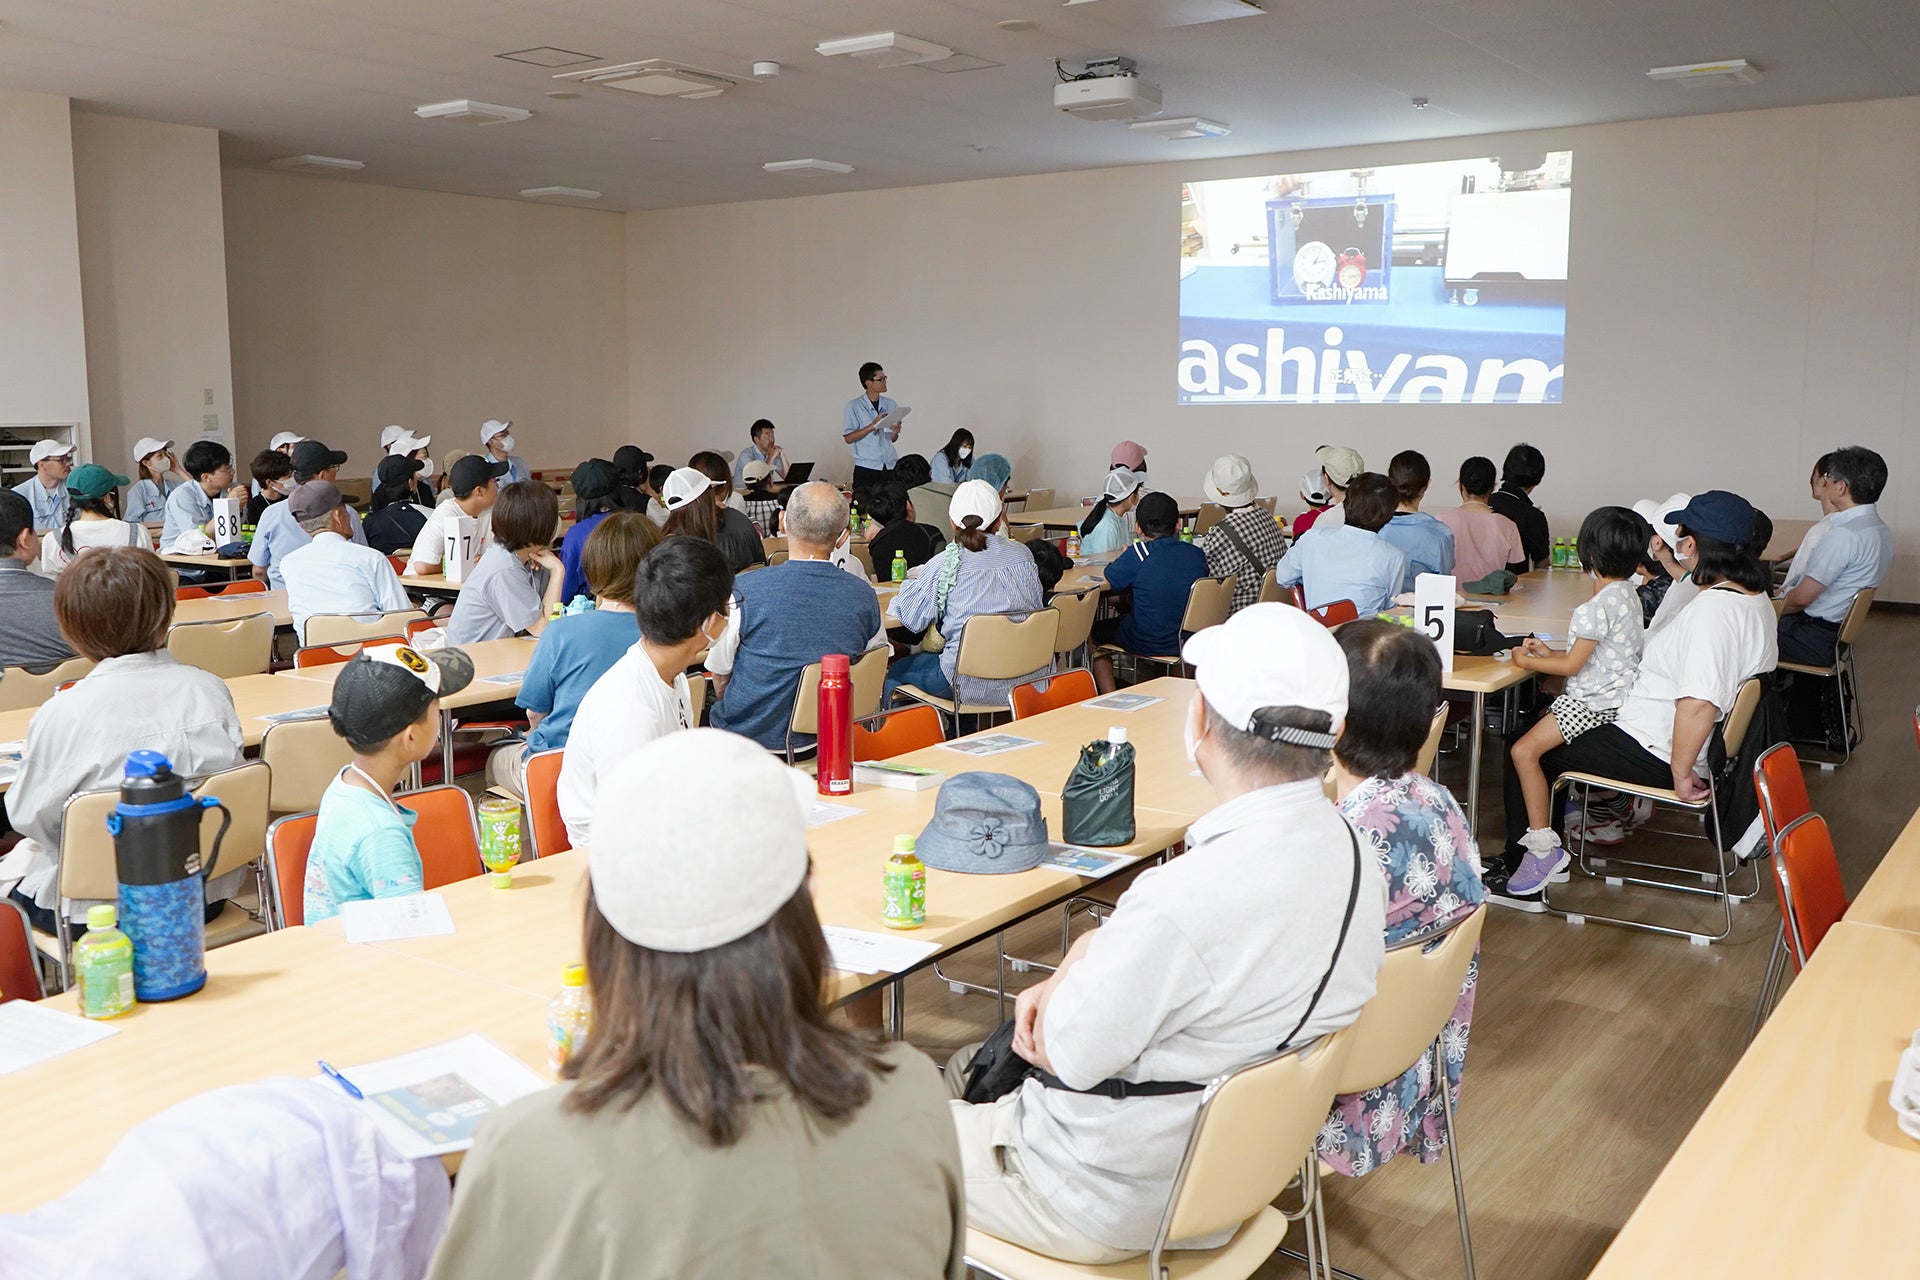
1797,1168
1891,896
1070,517
1541,603
497,668
430,584
1787,537
229,608
207,561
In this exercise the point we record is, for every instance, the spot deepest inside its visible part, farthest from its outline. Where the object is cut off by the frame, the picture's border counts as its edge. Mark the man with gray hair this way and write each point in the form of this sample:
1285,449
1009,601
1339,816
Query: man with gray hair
331,574
785,617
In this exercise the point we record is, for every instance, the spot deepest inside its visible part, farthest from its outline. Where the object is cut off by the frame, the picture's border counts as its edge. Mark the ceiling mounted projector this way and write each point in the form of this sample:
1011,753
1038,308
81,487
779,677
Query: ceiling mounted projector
1109,89
470,112
1705,75
884,49
656,78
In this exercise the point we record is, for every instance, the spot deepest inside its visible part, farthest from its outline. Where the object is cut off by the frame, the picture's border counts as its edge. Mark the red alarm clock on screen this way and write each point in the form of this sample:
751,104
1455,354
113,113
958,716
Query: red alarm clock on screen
1350,269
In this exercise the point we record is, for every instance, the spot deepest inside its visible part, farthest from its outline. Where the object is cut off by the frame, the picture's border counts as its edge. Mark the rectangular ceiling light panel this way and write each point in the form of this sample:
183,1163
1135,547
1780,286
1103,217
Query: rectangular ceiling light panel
468,111
559,193
656,78
1709,75
804,167
548,56
884,49
317,164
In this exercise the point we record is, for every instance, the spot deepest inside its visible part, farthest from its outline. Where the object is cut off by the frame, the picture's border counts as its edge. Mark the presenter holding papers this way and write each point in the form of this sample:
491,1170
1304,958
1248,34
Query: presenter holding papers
871,425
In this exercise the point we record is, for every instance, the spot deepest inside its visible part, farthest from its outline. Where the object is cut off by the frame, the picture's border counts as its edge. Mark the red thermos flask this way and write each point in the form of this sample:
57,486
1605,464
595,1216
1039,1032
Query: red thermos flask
834,775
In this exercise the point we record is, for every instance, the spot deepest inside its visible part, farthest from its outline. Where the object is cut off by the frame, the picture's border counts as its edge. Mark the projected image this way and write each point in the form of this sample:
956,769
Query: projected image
1439,283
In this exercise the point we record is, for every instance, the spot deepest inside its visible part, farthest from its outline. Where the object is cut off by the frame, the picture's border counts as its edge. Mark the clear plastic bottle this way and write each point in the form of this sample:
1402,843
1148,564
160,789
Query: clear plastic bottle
1073,545
904,885
569,1018
104,960
898,570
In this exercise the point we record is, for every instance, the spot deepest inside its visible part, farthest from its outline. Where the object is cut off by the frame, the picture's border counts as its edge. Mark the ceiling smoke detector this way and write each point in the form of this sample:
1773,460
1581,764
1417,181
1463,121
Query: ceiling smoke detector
656,78
1175,127
559,193
316,164
1709,75
467,111
884,49
805,167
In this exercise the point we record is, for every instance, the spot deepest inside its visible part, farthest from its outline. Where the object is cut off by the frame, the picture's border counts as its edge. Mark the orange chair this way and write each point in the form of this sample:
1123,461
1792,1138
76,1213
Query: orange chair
19,971
894,733
1782,792
1807,869
543,801
289,841
238,587
447,834
191,593
1063,690
399,563
1332,615
321,655
419,625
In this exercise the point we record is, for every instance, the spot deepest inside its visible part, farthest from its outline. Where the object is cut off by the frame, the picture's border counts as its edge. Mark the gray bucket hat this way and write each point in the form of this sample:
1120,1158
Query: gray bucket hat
985,823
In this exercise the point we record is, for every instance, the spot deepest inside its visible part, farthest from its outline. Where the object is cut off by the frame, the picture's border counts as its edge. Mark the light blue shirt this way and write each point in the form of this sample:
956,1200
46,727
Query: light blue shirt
1000,578
1344,563
945,472
1853,556
1111,534
49,505
752,454
362,849
332,575
517,469
147,501
279,534
1426,543
874,451
188,507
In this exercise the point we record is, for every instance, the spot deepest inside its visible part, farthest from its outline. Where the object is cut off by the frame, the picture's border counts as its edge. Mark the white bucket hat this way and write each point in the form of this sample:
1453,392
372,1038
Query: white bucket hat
1230,481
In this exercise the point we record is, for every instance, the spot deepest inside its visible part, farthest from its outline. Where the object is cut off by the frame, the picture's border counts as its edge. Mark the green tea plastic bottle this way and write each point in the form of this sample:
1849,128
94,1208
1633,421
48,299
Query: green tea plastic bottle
905,887
898,571
104,960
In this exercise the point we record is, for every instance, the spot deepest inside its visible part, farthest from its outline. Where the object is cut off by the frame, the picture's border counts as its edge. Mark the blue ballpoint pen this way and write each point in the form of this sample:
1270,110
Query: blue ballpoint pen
342,1081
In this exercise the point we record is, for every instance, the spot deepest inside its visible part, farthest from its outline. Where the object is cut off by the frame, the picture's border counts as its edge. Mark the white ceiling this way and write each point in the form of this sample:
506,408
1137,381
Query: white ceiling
341,77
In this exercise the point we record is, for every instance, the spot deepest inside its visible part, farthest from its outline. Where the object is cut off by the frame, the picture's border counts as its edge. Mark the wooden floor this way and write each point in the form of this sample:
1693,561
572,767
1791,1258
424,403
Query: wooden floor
1594,1048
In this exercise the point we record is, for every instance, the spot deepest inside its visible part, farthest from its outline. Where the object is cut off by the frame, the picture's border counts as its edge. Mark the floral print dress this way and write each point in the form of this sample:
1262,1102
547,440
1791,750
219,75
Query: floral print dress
1432,866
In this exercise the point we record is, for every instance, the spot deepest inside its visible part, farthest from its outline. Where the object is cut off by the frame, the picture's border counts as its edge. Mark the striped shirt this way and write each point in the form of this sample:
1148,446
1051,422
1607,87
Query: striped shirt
997,579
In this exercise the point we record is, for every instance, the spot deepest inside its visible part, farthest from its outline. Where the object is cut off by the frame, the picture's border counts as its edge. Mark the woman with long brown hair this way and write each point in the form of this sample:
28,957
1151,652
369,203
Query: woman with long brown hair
717,1122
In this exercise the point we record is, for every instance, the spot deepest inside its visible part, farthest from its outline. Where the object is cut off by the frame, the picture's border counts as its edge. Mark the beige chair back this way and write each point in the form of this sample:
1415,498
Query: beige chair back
1076,618
778,556
347,628
1430,749
1208,603
20,689
87,867
1856,619
1209,515
1271,592
1745,703
450,457
243,647
1038,500
358,491
1026,532
1269,505
863,554
305,756
869,672
930,506
1415,995
995,647
1255,1128
771,545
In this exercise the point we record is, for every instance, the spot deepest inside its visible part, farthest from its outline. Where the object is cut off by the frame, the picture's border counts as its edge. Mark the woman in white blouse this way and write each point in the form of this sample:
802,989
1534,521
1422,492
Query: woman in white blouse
92,519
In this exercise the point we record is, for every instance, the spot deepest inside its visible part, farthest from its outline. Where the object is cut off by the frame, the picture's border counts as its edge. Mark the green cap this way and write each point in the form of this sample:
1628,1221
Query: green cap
93,481
102,915
903,844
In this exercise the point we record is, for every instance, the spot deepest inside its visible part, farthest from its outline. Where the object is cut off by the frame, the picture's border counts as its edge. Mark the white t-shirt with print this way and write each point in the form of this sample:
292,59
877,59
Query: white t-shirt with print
627,708
1612,620
1708,651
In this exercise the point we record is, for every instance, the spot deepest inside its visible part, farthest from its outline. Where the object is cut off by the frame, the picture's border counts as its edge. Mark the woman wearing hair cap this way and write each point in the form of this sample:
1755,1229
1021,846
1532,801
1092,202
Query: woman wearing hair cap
717,1123
979,572
1105,527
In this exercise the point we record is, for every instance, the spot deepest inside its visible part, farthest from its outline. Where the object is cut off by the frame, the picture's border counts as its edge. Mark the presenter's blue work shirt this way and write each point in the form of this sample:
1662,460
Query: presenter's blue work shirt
1424,541
875,451
1344,563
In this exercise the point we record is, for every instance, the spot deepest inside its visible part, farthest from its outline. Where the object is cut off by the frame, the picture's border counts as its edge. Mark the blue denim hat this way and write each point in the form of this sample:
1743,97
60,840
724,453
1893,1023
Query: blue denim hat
1717,514
984,823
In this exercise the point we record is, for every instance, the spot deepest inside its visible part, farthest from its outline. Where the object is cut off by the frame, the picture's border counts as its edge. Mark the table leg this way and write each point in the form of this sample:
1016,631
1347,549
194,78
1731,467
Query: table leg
897,1007
446,746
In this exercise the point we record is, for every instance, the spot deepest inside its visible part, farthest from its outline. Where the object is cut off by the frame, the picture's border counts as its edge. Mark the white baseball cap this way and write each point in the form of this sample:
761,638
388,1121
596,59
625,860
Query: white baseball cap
1270,655
1121,482
974,498
493,427
284,439
1653,512
704,790
1230,481
49,449
404,443
390,433
147,446
683,486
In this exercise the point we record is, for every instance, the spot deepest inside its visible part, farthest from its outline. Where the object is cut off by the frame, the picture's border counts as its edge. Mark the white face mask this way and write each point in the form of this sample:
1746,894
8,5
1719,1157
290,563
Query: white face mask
429,470
504,443
964,454
1191,730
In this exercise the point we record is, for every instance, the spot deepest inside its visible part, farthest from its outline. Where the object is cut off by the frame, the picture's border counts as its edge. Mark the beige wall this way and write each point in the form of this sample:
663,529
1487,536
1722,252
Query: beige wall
354,306
43,353
153,272
1745,295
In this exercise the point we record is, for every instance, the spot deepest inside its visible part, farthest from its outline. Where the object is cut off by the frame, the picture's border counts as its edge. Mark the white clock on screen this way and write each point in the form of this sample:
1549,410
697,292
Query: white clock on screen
1313,265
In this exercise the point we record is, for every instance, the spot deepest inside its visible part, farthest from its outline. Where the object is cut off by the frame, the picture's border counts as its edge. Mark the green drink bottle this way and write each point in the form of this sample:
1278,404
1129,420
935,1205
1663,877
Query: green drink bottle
905,886
898,572
104,959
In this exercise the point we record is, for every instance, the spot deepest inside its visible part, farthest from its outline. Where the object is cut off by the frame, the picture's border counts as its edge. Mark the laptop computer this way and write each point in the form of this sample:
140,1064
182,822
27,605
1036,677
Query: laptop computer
799,473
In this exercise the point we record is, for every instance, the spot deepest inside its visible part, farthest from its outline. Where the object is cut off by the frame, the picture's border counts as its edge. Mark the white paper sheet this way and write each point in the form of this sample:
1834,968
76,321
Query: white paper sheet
303,713
11,753
506,677
1082,861
418,915
820,813
32,1033
857,951
992,744
428,1102
1125,702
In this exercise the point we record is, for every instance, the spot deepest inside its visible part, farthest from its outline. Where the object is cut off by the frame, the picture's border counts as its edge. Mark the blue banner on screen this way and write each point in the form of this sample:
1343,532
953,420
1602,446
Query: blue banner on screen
1441,283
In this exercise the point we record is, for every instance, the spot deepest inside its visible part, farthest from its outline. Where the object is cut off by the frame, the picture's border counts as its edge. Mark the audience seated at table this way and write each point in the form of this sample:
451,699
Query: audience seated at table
516,584
760,496
631,491
594,483
1105,527
1424,540
386,705
680,594
787,616
980,571
1159,571
952,462
46,489
190,506
332,573
1525,467
1848,551
717,1122
1268,931
397,514
271,473
1424,848
32,636
1336,465
1247,541
1349,560
895,531
577,649
115,606
278,533
1051,564
1484,541
92,519
733,531
762,446
473,486
158,474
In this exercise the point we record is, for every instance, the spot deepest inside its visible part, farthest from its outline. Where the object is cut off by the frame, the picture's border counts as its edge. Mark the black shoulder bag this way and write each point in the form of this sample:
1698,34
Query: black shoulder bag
996,1070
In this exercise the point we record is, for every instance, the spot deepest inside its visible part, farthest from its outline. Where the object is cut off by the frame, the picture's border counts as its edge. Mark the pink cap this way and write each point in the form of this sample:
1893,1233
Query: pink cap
1129,455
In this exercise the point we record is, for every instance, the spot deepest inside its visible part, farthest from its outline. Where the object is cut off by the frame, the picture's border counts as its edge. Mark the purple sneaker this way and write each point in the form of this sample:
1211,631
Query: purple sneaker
1544,857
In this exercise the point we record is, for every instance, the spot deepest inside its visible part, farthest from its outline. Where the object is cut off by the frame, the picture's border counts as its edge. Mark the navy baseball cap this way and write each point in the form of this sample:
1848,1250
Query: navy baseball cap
1717,514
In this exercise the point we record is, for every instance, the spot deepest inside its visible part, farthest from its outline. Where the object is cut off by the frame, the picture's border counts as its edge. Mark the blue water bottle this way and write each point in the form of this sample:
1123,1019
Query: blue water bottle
156,843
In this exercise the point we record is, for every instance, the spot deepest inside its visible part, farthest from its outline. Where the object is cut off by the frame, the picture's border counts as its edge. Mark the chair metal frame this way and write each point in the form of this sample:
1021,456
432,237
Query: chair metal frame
1770,815
1843,672
1716,884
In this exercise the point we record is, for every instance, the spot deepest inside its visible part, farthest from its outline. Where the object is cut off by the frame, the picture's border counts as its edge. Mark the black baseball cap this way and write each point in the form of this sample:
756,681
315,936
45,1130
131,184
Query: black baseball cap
396,470
384,688
310,458
472,471
594,478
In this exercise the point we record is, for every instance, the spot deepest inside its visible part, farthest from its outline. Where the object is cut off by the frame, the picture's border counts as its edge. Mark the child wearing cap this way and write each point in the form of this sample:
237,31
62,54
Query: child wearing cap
1247,541
473,486
159,475
46,489
1105,527
517,582
1349,560
386,704
190,506
1336,465
92,519
1160,570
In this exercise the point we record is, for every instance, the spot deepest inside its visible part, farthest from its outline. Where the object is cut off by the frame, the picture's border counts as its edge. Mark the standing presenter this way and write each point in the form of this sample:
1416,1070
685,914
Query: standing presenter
872,444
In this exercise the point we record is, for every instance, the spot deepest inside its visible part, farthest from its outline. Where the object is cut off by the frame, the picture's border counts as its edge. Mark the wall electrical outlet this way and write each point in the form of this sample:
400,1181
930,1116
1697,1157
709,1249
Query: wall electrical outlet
209,395
210,423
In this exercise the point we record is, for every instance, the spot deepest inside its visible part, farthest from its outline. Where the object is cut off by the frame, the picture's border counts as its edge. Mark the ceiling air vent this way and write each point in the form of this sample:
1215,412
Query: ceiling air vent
656,78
